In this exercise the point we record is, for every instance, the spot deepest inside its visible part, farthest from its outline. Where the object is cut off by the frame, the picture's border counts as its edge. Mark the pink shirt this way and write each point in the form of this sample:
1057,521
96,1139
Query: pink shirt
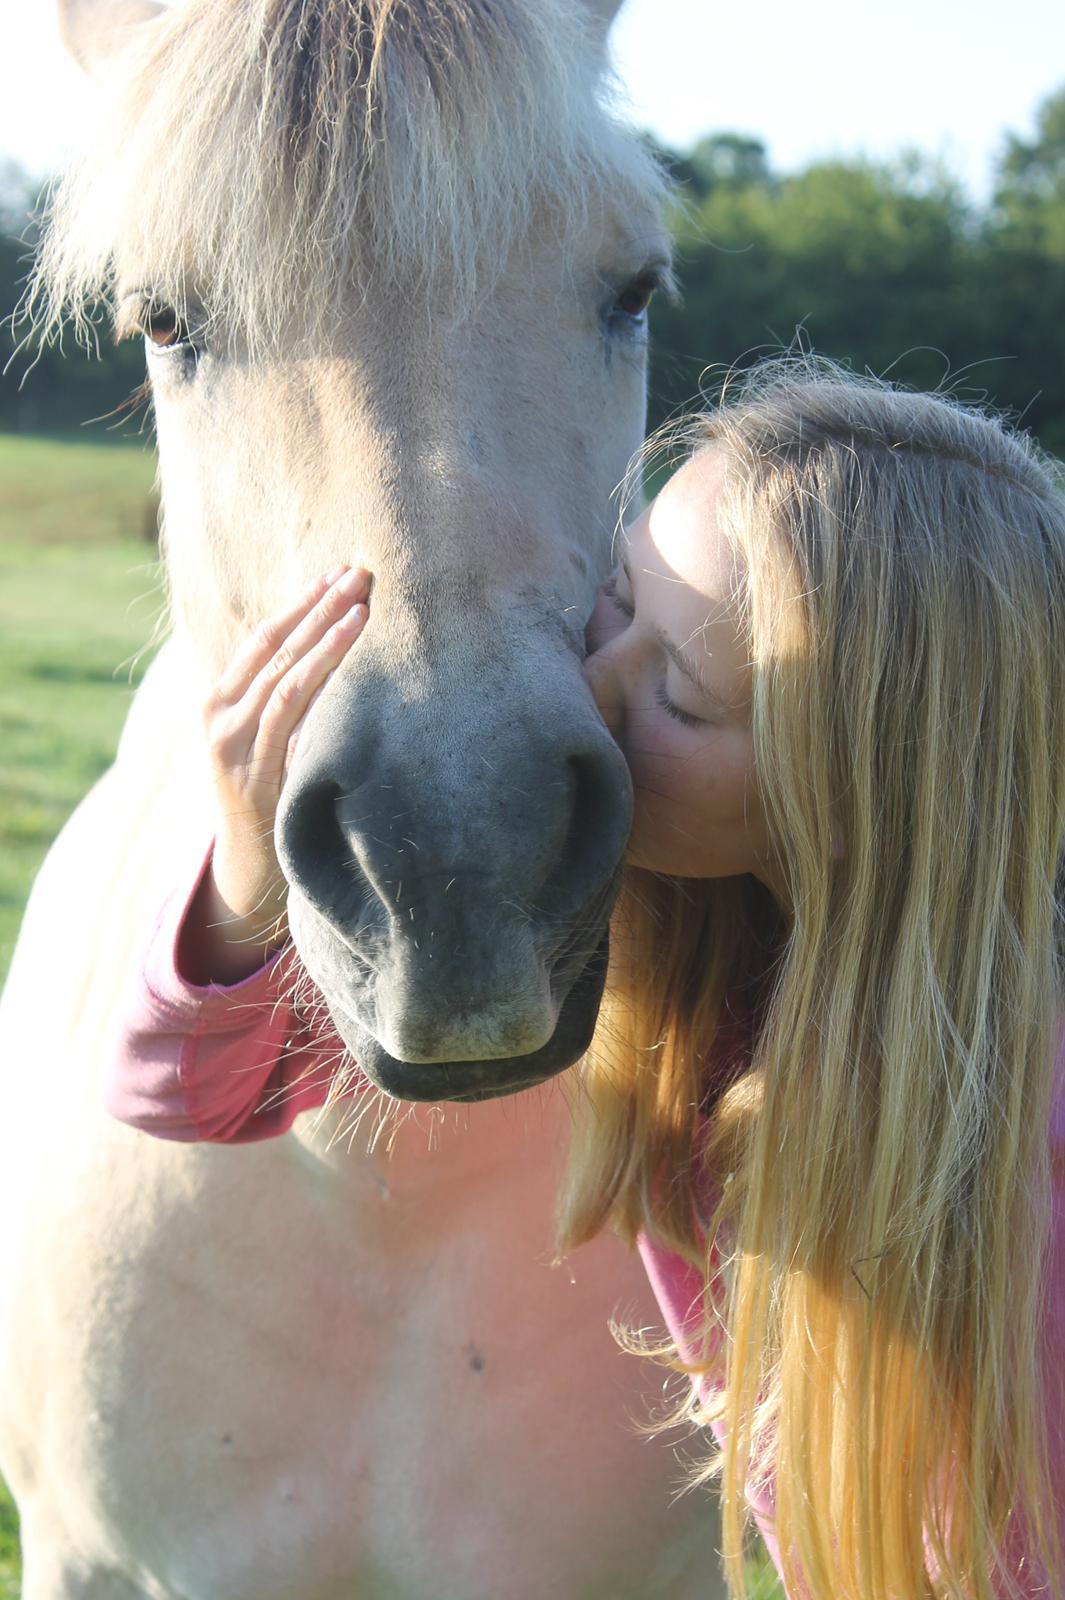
229,1064
238,1063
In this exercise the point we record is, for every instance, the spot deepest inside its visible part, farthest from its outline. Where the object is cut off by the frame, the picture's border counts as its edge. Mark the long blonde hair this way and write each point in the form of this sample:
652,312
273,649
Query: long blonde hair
878,1154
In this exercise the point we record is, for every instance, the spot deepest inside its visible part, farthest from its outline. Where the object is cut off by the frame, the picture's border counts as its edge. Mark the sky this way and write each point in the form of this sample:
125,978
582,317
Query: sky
811,79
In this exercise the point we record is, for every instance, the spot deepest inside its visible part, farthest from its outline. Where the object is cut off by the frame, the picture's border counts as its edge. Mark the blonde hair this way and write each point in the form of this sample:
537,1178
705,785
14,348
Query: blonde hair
878,1156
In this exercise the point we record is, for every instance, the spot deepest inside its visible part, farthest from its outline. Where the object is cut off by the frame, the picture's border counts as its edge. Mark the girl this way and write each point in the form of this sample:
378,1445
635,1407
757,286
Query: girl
824,1098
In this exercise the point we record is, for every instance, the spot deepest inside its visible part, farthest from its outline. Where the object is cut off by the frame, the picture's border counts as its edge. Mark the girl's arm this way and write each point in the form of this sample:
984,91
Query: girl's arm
209,1043
228,1063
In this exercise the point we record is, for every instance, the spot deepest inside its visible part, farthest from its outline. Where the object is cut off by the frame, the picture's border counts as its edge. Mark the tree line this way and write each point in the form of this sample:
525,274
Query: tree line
890,267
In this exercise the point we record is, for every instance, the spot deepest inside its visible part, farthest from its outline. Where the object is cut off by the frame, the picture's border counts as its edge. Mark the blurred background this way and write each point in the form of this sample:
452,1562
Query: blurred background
886,187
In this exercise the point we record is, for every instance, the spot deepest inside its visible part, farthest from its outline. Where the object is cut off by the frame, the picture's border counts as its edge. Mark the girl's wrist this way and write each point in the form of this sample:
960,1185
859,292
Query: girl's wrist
221,945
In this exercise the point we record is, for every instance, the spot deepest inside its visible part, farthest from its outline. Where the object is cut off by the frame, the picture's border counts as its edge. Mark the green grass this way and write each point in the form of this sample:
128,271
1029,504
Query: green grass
79,596
72,619
79,593
72,491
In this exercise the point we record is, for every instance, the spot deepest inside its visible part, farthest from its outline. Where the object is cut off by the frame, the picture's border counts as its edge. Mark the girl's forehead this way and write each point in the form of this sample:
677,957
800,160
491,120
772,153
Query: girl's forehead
687,533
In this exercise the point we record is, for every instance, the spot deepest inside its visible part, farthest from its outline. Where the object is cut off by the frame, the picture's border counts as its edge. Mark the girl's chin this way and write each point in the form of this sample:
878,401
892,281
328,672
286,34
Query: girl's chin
634,855
650,860
648,851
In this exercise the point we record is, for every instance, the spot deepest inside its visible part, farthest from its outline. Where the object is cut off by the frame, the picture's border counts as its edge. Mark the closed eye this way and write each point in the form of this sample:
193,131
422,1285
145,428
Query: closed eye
662,696
610,589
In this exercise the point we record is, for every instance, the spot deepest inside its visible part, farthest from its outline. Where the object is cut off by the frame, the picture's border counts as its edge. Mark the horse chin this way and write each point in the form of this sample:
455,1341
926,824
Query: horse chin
469,1081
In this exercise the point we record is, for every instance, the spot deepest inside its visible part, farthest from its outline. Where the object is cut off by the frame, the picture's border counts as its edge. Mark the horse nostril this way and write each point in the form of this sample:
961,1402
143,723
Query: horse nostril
600,814
376,859
310,843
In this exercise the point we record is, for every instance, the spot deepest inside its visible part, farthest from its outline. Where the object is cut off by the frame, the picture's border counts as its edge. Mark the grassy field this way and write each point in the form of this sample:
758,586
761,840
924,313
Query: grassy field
79,597
79,594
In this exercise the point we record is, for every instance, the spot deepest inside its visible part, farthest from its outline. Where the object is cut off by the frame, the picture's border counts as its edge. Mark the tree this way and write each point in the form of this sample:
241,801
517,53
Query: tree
46,389
1022,289
1035,169
870,261
731,160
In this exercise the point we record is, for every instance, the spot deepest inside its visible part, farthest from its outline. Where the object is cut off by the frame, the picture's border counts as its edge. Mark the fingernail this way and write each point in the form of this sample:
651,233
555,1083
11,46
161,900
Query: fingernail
352,617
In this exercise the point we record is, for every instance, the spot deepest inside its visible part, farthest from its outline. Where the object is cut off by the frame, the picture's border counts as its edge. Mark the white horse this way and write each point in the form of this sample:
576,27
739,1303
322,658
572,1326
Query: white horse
392,259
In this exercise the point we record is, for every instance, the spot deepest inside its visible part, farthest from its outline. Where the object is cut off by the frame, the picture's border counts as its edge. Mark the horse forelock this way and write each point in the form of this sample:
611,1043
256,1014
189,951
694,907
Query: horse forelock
260,154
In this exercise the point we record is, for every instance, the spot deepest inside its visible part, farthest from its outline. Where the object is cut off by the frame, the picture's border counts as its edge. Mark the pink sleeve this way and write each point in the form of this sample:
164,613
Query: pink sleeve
678,1288
226,1064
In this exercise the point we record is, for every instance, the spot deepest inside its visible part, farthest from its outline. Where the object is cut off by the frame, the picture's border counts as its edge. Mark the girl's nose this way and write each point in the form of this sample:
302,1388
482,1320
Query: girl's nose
605,683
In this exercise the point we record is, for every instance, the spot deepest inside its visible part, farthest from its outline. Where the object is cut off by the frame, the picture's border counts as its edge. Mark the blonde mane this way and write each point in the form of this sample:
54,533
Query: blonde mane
263,155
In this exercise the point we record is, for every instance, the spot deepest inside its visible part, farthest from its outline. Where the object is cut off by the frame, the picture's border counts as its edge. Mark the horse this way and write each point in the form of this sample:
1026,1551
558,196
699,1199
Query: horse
391,261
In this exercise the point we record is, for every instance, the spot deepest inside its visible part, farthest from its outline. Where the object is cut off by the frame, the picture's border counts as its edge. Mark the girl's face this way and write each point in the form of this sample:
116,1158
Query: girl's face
669,669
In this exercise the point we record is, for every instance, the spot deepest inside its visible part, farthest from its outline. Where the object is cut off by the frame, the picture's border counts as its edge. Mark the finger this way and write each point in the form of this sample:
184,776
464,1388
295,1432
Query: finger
270,635
232,726
353,588
295,692
258,648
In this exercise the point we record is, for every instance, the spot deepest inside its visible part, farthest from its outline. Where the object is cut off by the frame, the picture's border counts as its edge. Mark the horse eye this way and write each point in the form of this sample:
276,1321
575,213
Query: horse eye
164,328
635,297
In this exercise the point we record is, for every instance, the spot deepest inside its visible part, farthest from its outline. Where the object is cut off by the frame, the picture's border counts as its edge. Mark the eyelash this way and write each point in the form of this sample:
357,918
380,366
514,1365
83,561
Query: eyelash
674,711
610,588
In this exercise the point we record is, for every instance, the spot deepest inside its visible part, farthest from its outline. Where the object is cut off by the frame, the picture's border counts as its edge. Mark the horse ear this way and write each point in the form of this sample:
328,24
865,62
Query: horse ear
93,31
603,12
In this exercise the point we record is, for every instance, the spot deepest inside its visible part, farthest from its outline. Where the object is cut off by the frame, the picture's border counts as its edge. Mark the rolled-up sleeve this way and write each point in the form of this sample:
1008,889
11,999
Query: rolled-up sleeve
225,1063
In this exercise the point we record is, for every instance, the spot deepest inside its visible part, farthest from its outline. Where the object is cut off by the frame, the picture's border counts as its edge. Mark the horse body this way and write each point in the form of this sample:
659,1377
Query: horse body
291,1369
334,1365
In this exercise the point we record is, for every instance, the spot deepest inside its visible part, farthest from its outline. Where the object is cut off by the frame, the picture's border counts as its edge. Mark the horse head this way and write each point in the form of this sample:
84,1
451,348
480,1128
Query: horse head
391,262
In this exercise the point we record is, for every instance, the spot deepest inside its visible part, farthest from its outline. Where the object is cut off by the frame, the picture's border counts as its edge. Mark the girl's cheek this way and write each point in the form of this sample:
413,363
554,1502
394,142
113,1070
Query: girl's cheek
652,749
698,771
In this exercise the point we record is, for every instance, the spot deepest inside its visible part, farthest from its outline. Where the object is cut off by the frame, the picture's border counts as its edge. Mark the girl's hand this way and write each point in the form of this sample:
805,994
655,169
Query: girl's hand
251,718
